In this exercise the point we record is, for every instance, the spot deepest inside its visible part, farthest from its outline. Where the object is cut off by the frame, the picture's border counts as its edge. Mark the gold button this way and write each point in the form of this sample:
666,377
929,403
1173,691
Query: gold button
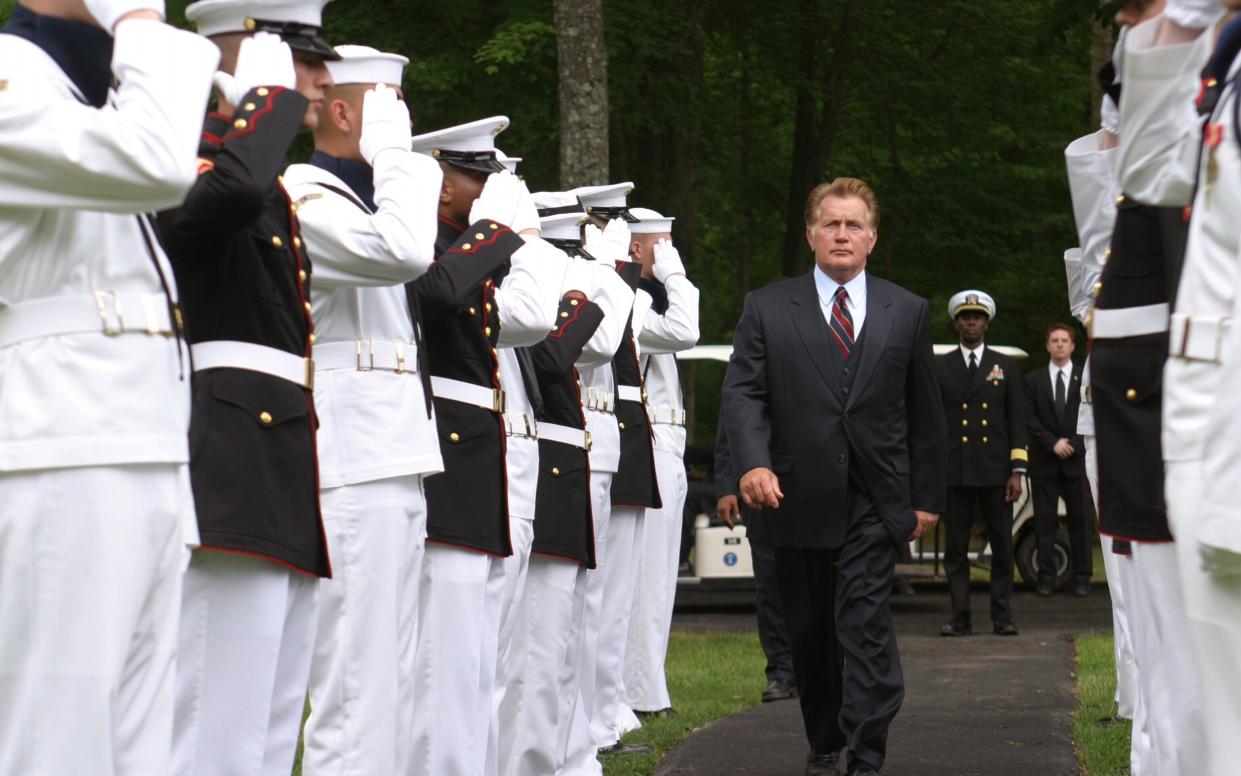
965,422
1131,394
995,383
473,311
555,471
964,439
276,241
1107,254
486,331
249,106
465,247
454,437
621,426
262,91
479,235
302,276
965,405
265,418
1098,287
240,124
984,405
564,315
984,422
495,226
487,306
311,339
573,302
307,306
297,242
984,440
1120,200
251,24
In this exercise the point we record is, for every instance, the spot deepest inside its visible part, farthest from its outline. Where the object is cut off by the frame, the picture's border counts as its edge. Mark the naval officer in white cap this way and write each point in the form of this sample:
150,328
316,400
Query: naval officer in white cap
367,205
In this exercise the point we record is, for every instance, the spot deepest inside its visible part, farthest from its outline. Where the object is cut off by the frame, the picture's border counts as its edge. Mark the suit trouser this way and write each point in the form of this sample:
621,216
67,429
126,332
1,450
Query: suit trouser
845,658
998,521
90,590
1072,489
361,678
645,683
772,632
512,591
243,664
1213,610
620,577
578,685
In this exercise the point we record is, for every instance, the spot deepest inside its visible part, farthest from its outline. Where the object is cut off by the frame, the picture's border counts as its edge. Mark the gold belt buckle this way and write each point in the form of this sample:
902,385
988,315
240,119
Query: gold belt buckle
587,433
310,373
497,400
400,357
370,353
101,304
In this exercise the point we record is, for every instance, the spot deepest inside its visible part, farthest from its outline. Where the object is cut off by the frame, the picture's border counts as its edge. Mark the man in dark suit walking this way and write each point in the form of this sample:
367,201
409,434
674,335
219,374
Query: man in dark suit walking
1057,460
833,419
983,401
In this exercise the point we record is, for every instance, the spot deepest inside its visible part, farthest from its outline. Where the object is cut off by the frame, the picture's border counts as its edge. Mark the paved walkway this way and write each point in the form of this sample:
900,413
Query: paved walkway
977,706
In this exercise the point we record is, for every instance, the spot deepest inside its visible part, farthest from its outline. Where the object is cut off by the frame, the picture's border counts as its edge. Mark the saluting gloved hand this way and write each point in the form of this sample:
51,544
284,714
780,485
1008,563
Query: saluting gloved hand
667,261
385,123
526,215
617,233
263,60
1193,14
499,200
601,247
1109,115
109,12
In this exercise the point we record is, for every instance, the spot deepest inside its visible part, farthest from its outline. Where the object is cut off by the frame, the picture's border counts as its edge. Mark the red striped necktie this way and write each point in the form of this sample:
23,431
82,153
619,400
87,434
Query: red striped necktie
841,323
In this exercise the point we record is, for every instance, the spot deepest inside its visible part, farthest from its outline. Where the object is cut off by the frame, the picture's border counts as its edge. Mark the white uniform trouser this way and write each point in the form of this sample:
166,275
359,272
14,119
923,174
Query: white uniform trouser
513,583
578,685
620,580
548,621
243,662
1170,683
361,679
1213,608
90,588
645,684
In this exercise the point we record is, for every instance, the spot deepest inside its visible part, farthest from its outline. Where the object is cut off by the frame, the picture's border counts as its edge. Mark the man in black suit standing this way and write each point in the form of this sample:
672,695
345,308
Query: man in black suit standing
983,400
1057,455
833,419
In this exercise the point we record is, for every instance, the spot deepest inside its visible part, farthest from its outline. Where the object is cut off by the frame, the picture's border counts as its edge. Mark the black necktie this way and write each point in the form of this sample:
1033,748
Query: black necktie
1060,393
973,364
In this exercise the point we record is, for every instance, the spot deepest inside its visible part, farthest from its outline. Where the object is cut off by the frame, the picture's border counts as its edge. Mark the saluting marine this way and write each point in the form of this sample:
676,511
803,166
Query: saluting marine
983,400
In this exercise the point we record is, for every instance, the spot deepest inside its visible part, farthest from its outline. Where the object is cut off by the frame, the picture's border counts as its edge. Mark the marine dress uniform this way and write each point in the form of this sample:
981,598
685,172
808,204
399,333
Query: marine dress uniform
249,605
509,300
1179,148
983,399
666,322
94,393
370,223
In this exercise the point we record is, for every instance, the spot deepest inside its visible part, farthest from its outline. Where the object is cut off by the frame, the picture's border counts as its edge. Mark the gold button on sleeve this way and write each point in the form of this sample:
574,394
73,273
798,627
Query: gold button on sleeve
479,236
265,418
240,124
564,315
466,247
262,91
249,106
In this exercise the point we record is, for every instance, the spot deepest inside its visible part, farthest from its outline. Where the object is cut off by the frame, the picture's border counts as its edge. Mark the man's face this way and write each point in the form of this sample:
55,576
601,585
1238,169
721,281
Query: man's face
1060,346
460,188
313,81
971,327
642,250
841,237
1134,12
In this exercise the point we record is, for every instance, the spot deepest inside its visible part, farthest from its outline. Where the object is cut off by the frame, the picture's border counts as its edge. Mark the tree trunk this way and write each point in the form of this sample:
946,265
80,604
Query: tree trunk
583,70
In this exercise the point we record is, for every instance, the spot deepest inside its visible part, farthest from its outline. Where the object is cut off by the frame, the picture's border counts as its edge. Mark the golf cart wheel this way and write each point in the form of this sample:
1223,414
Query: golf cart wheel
1026,557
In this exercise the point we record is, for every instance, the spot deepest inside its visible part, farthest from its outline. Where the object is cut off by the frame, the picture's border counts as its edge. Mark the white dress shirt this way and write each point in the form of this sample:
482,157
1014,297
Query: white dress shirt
978,353
856,302
1067,371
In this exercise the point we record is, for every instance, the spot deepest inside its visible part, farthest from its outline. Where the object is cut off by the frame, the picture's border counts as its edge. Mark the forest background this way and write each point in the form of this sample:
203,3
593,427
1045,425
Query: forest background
725,114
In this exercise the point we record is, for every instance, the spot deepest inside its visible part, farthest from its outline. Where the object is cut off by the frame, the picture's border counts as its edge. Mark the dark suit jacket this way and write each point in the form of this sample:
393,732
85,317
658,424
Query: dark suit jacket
986,419
784,410
1046,428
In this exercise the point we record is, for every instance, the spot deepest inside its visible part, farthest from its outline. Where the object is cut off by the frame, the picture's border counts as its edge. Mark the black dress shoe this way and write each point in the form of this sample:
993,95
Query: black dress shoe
1111,721
956,629
902,586
779,690
1004,629
1081,589
620,747
1045,589
864,770
664,713
823,764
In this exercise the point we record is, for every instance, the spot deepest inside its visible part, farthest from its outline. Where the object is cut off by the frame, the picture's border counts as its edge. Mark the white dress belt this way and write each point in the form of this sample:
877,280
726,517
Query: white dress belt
630,393
366,355
1129,321
519,424
599,400
229,354
670,416
1199,337
111,313
566,435
468,393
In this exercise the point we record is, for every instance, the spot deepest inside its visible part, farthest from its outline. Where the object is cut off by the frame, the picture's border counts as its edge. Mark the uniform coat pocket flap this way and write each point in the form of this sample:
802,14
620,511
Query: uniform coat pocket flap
269,401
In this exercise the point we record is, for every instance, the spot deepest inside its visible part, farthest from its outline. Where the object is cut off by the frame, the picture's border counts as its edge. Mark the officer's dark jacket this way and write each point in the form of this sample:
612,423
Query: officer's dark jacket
236,251
1046,428
563,520
467,505
635,483
986,419
1126,374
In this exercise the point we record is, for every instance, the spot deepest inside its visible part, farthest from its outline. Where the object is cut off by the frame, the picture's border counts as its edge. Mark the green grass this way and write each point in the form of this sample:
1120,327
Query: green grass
1102,751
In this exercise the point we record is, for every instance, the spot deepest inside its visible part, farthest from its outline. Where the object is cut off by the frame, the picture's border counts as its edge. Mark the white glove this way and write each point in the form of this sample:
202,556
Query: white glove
263,60
499,199
385,123
667,261
1110,115
109,12
1193,14
526,216
617,233
603,249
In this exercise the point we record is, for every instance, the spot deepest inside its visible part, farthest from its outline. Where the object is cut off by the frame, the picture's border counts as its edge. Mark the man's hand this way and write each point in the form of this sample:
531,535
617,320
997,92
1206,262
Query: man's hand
618,235
926,524
1064,449
498,201
263,60
760,488
385,123
667,261
1012,490
727,510
603,249
110,13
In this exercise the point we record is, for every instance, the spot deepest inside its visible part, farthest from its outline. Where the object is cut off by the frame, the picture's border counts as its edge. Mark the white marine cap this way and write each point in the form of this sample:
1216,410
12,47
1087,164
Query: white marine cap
562,226
973,299
509,162
610,201
471,146
366,65
550,203
298,22
649,222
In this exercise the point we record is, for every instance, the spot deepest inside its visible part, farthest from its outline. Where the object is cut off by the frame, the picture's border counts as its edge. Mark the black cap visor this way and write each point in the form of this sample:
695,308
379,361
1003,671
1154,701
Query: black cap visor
475,161
300,37
611,213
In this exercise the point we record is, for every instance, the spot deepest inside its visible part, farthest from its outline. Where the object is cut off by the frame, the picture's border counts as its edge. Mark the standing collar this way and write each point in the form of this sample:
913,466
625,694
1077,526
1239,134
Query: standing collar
82,51
978,351
1052,369
826,288
358,176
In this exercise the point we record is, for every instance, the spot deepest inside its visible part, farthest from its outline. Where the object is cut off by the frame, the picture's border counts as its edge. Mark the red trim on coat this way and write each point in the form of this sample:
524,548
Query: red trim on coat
253,120
481,243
